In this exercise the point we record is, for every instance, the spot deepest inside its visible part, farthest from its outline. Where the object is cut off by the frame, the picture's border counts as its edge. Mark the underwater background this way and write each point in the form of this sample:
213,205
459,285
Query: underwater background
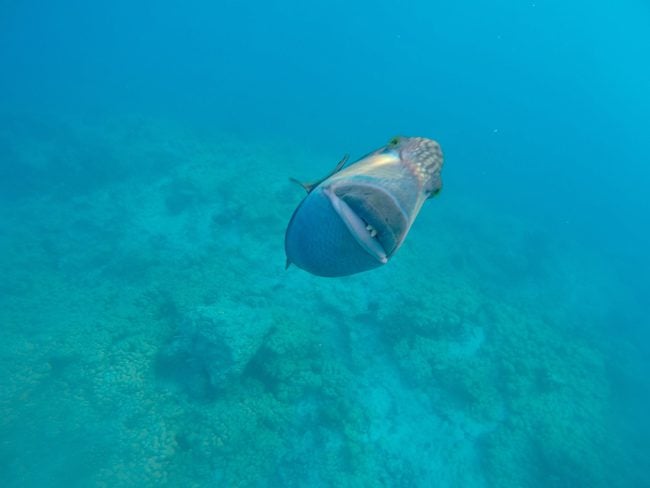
149,333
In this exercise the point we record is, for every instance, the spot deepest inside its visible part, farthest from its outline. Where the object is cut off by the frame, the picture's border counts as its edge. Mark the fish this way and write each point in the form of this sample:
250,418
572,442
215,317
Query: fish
357,217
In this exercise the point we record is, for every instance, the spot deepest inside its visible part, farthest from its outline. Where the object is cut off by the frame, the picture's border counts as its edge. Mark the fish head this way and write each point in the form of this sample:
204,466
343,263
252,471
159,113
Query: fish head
356,219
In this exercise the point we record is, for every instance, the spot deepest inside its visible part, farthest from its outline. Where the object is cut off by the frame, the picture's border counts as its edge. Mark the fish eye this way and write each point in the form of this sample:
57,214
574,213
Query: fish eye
394,141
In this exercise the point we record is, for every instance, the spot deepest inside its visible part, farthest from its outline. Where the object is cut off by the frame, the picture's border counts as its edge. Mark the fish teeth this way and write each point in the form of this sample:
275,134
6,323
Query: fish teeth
372,230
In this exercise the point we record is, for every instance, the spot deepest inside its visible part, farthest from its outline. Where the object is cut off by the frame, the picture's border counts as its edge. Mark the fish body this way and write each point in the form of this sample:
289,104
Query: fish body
357,218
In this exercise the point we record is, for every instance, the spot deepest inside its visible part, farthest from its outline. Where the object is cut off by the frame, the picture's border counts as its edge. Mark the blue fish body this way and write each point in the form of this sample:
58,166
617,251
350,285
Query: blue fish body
319,241
355,219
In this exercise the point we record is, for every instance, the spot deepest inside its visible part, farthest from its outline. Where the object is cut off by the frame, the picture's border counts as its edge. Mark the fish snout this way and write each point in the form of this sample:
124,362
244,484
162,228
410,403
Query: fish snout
424,157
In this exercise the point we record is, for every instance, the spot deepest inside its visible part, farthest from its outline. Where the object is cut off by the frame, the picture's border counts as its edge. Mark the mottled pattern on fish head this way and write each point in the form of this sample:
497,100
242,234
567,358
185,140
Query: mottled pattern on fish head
424,158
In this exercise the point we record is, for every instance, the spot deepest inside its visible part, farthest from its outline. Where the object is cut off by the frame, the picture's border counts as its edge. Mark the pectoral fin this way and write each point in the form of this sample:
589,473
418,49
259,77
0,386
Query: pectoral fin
309,186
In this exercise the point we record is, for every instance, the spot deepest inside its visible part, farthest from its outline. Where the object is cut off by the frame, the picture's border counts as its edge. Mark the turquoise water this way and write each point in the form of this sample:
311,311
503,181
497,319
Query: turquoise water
149,333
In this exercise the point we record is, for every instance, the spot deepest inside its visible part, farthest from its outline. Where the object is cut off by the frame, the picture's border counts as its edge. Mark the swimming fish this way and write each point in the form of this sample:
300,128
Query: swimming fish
356,218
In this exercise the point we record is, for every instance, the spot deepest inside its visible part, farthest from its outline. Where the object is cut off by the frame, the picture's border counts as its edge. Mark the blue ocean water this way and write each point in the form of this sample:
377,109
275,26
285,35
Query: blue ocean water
149,333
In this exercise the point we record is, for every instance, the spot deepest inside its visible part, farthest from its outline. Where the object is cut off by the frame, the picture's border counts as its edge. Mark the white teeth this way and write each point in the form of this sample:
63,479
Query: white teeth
371,229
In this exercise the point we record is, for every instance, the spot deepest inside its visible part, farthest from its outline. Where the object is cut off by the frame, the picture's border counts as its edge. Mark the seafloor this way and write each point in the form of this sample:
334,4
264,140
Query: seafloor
151,336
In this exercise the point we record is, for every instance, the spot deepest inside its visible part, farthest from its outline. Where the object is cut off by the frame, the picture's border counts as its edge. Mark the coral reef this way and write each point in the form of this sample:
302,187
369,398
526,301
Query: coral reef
152,337
212,345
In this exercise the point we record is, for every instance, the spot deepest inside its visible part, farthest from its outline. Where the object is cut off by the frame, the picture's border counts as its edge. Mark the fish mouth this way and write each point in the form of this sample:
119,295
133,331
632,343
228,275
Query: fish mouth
372,215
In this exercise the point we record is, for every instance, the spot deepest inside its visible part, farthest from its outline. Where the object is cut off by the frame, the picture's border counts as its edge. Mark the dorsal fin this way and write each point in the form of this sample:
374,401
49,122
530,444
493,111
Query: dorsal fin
313,184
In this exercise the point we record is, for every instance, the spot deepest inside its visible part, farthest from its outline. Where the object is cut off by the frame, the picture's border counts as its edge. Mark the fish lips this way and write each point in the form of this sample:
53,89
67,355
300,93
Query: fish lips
373,216
344,228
